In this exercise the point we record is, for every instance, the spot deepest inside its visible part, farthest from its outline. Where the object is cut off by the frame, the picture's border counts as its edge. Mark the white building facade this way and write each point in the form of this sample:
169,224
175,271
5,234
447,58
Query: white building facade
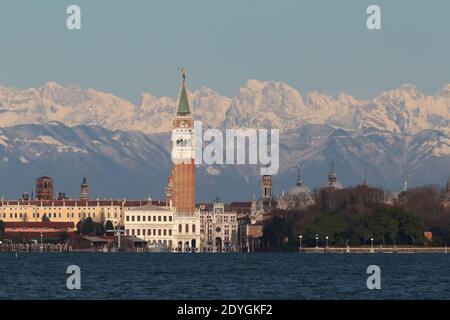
164,227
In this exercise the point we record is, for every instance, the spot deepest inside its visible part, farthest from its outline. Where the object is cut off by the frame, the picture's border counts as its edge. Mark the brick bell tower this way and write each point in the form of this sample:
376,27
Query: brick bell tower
182,180
44,188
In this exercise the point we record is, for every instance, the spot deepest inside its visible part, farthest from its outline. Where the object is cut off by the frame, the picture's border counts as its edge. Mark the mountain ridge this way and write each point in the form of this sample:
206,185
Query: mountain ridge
258,104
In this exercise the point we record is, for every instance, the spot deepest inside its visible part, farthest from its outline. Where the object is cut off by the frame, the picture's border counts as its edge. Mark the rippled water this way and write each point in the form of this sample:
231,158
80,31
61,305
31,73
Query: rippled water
226,276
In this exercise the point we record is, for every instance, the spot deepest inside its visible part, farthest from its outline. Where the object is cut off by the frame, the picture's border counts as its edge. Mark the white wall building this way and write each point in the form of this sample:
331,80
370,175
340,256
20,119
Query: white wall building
161,225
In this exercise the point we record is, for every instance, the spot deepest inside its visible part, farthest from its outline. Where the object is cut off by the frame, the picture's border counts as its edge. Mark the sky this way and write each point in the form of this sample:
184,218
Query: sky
135,46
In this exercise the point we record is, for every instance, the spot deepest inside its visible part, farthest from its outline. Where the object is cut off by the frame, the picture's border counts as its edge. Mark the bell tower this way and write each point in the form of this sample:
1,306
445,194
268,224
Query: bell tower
267,187
183,152
84,189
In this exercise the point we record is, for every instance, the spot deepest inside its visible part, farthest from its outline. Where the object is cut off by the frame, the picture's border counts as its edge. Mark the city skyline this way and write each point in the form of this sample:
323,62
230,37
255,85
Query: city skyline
248,151
47,129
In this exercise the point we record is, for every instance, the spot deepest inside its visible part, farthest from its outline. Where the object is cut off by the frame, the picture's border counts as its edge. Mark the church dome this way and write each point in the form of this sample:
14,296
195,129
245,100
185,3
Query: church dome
299,197
299,190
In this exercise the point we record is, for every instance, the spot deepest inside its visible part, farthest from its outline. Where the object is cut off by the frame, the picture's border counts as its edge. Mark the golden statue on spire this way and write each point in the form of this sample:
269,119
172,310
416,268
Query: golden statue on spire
183,73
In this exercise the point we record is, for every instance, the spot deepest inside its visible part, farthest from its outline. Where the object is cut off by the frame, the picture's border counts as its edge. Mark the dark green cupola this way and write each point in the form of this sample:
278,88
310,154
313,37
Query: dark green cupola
183,104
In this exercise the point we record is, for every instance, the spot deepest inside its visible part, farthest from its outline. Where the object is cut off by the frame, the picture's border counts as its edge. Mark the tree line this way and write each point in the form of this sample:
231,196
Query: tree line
354,216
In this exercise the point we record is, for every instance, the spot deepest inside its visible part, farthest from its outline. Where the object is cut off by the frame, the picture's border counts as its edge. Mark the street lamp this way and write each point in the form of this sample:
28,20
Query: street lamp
327,241
42,246
371,245
300,248
317,241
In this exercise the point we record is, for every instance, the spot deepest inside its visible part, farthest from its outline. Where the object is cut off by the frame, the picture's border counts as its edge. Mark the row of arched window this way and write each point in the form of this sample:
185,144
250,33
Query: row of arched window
186,228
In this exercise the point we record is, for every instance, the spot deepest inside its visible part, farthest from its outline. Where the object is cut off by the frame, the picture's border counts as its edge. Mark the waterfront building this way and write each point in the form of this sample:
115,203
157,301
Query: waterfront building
152,223
162,225
66,210
20,231
187,237
218,227
250,234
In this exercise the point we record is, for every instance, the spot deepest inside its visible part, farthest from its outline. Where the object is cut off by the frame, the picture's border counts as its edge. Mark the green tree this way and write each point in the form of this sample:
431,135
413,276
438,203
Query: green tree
99,229
79,226
276,232
108,225
88,226
335,225
410,227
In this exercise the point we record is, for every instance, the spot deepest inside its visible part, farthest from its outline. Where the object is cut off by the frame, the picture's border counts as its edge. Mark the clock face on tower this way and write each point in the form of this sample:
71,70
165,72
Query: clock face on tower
183,142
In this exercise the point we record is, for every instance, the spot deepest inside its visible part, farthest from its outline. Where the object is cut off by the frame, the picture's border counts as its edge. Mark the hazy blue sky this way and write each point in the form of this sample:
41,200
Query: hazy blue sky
129,47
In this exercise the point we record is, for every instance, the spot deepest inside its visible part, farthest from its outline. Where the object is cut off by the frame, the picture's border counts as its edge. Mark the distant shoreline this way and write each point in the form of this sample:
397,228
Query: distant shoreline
375,249
320,250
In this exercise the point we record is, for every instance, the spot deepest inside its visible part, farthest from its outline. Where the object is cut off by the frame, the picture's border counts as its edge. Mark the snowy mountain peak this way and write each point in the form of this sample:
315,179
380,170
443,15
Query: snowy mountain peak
275,104
444,92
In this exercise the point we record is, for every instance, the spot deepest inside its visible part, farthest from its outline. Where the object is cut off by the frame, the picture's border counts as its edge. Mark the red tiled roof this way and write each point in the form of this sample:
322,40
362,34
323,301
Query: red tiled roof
205,206
241,204
53,225
81,203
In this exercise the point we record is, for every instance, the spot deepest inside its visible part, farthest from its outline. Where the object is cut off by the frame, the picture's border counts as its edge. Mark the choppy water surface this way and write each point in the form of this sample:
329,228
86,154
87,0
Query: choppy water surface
224,276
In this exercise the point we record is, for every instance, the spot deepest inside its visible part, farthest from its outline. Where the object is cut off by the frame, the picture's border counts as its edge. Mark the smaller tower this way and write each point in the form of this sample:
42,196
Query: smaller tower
366,181
332,182
84,189
267,187
299,177
44,188
168,192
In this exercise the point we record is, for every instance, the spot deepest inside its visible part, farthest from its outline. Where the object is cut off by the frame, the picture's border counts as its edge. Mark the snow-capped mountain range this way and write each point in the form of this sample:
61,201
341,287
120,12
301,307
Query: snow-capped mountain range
258,104
399,135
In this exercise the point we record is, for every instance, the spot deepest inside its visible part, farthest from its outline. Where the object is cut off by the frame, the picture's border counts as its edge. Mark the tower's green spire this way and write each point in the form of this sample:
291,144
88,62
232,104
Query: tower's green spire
183,105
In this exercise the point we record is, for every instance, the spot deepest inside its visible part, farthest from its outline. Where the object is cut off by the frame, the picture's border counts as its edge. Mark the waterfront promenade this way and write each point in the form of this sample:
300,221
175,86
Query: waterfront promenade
376,249
331,250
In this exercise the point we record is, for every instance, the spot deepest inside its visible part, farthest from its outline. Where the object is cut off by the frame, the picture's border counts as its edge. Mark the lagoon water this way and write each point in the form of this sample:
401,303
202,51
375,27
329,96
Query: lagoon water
224,276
